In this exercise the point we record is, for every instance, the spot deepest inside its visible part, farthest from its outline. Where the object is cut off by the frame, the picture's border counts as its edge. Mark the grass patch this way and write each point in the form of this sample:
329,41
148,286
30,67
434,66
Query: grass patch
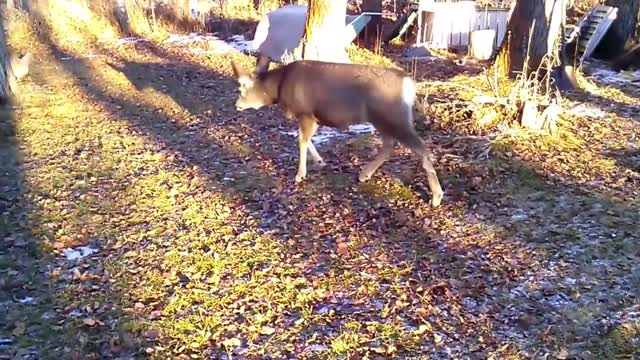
190,264
622,342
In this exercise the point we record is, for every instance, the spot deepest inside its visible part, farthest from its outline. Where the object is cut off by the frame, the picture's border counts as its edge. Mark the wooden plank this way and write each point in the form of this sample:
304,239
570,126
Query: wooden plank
591,28
601,30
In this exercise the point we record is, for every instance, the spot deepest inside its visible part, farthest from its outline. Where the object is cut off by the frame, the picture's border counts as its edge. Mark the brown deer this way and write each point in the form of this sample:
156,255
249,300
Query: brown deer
19,68
339,95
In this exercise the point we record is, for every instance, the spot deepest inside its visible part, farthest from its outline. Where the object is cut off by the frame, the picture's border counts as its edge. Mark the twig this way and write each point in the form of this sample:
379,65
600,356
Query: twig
494,87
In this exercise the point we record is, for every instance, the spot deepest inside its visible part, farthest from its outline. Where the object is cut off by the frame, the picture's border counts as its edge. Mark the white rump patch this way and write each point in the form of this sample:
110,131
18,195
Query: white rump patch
408,91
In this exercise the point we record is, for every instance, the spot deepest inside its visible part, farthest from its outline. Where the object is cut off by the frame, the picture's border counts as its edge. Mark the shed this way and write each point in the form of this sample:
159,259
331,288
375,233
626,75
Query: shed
449,23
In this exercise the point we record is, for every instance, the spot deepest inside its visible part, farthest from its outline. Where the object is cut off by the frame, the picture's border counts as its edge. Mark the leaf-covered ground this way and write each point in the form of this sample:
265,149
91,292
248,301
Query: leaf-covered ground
206,248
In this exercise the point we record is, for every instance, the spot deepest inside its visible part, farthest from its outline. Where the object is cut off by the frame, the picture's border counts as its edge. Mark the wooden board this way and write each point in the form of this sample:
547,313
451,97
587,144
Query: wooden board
591,29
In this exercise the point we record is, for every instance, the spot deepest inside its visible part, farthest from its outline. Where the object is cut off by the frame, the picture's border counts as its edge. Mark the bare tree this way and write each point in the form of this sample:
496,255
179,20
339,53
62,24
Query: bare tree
122,16
5,64
531,35
323,37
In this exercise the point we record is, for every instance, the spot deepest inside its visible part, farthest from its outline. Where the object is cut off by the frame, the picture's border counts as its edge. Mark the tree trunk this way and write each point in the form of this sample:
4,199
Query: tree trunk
122,16
374,27
5,92
324,26
622,34
524,48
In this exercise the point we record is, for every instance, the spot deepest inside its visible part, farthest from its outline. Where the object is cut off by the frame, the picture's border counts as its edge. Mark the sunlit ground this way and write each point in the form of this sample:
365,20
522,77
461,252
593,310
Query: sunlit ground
205,247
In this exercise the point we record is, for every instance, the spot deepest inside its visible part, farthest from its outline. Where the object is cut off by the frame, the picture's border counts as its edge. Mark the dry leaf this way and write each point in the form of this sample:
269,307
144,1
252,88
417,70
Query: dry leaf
20,328
151,334
563,354
232,342
343,249
267,330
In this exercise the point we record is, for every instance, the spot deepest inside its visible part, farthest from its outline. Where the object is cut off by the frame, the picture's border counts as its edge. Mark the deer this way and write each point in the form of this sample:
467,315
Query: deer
19,68
338,95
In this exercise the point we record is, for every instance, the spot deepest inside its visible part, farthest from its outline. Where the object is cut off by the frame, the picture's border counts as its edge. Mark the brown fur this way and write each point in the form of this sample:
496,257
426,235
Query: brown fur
340,95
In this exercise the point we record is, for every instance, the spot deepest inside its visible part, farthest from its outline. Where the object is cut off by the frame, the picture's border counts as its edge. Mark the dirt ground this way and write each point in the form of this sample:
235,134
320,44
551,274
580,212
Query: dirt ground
204,247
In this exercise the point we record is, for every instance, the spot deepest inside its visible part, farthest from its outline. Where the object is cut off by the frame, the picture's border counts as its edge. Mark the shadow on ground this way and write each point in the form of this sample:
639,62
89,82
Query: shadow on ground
331,266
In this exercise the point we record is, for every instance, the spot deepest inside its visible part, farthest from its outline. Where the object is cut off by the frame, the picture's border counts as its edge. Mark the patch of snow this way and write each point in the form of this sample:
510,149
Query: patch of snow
317,348
25,300
48,315
127,40
79,253
5,341
469,303
225,47
215,45
557,301
609,76
75,314
519,217
323,310
586,110
189,39
87,56
325,134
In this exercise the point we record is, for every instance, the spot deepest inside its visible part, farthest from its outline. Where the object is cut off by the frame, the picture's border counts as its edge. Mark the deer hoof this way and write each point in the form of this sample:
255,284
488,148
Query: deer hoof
299,178
436,200
364,176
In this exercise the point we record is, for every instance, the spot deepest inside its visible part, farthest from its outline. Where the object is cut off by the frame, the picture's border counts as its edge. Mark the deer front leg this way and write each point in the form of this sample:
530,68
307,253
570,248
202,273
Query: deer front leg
432,177
306,128
385,152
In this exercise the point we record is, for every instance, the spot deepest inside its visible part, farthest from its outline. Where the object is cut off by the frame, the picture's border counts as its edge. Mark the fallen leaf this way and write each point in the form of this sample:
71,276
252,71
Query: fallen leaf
423,328
343,249
317,348
563,354
267,330
20,328
151,334
128,340
232,342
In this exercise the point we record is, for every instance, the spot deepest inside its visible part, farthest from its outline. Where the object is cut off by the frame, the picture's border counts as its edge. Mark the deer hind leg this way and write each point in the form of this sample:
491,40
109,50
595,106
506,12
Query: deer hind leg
307,127
317,159
385,152
412,141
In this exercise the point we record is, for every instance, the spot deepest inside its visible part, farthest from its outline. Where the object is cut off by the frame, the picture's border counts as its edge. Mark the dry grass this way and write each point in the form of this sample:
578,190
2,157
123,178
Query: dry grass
77,23
175,195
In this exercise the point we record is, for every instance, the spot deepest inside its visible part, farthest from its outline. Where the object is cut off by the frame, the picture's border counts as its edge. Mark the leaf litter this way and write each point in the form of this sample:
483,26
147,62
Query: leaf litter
204,246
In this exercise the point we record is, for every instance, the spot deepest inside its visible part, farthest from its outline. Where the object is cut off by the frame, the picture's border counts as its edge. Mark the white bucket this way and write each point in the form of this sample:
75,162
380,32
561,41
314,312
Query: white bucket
482,44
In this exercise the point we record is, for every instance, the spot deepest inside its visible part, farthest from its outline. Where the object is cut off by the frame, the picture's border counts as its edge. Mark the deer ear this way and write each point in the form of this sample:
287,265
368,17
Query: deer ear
238,71
244,78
